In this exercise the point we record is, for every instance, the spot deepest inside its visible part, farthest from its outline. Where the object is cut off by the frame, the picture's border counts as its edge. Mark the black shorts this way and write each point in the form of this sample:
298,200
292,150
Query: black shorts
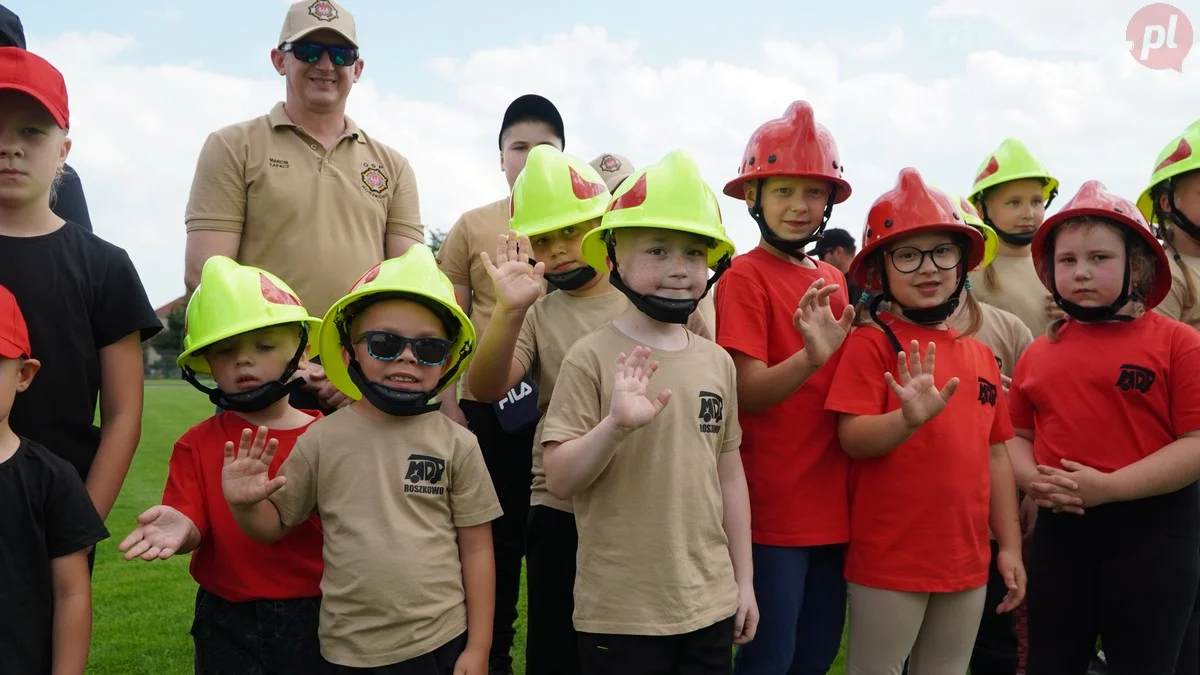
707,651
437,662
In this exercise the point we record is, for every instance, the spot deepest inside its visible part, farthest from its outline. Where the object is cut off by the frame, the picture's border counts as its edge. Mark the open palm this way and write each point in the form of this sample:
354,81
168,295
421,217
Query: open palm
244,477
631,408
920,399
823,333
160,532
517,284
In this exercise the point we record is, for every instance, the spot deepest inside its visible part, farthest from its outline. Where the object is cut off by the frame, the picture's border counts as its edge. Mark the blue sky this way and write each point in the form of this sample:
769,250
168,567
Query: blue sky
935,85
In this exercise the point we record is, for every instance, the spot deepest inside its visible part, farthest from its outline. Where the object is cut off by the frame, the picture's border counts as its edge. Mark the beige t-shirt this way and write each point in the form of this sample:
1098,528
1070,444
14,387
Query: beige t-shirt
316,218
1020,292
391,495
551,326
1001,331
1172,305
653,556
475,231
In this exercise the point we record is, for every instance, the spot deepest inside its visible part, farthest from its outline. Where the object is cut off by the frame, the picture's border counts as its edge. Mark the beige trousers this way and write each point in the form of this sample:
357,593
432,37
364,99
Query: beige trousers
936,631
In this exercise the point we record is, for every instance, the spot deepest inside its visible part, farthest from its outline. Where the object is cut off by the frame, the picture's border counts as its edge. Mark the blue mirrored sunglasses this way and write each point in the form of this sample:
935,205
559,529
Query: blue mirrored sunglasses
310,52
385,346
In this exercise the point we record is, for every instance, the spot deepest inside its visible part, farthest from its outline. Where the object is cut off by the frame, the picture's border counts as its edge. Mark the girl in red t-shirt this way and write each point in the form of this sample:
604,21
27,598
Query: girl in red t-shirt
1106,409
930,471
778,316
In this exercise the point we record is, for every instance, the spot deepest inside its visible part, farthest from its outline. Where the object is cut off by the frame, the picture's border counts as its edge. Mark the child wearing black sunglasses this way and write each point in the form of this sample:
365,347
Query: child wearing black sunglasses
404,495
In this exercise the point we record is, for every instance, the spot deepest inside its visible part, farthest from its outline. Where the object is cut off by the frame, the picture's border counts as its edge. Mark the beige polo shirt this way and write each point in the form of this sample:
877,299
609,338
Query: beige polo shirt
653,555
392,495
316,218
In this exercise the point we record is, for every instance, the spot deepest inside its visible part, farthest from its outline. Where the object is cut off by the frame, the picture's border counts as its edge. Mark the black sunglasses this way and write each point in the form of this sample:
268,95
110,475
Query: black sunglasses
310,52
385,346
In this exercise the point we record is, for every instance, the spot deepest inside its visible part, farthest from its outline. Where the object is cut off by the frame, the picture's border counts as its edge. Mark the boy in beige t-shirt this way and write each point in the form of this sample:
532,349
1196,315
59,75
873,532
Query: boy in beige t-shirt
404,496
556,200
648,451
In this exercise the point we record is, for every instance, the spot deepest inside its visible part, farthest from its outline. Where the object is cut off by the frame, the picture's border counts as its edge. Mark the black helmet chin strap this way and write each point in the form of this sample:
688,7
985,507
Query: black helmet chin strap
1016,240
1177,217
262,396
1098,314
573,279
394,402
922,316
792,247
666,310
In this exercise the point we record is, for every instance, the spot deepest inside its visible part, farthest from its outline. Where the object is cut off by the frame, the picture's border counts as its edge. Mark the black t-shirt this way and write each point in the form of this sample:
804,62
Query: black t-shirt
70,204
78,294
45,513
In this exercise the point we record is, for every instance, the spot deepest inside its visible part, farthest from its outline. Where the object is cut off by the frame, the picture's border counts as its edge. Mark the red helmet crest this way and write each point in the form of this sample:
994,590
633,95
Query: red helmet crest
794,146
912,207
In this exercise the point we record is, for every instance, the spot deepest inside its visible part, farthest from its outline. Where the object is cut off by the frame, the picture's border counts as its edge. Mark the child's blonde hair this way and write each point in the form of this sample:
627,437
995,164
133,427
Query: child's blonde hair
991,278
59,177
1141,264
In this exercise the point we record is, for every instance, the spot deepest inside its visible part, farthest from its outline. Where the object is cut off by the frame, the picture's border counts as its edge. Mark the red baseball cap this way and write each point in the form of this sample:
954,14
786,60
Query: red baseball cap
14,336
27,72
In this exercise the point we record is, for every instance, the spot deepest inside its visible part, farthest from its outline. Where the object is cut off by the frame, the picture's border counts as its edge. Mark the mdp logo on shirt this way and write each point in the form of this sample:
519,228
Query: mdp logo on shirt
425,475
987,392
1135,377
712,408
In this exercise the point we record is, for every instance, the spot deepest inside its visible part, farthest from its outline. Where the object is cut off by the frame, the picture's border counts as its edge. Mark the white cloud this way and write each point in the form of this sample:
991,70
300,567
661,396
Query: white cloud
891,44
1080,26
1100,115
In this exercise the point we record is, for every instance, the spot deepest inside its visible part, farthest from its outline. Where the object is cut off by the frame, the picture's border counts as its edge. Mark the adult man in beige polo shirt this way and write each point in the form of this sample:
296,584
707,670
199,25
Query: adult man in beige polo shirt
302,191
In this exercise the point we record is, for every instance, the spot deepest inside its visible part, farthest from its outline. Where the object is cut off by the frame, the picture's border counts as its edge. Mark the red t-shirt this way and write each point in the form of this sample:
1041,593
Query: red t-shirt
795,470
229,563
919,514
1108,394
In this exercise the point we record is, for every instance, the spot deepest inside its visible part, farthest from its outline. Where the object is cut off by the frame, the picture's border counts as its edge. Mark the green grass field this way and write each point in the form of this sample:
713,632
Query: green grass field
143,611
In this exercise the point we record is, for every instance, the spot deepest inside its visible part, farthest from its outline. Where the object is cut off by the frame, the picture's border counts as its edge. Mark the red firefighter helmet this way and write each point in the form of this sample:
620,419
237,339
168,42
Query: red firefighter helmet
794,146
1093,199
912,207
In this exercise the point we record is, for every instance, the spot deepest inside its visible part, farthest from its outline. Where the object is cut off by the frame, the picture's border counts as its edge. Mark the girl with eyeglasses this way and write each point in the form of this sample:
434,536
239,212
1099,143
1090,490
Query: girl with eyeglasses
930,471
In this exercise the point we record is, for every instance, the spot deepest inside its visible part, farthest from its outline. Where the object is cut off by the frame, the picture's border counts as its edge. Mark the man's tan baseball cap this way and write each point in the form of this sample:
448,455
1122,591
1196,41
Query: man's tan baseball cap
309,16
614,169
